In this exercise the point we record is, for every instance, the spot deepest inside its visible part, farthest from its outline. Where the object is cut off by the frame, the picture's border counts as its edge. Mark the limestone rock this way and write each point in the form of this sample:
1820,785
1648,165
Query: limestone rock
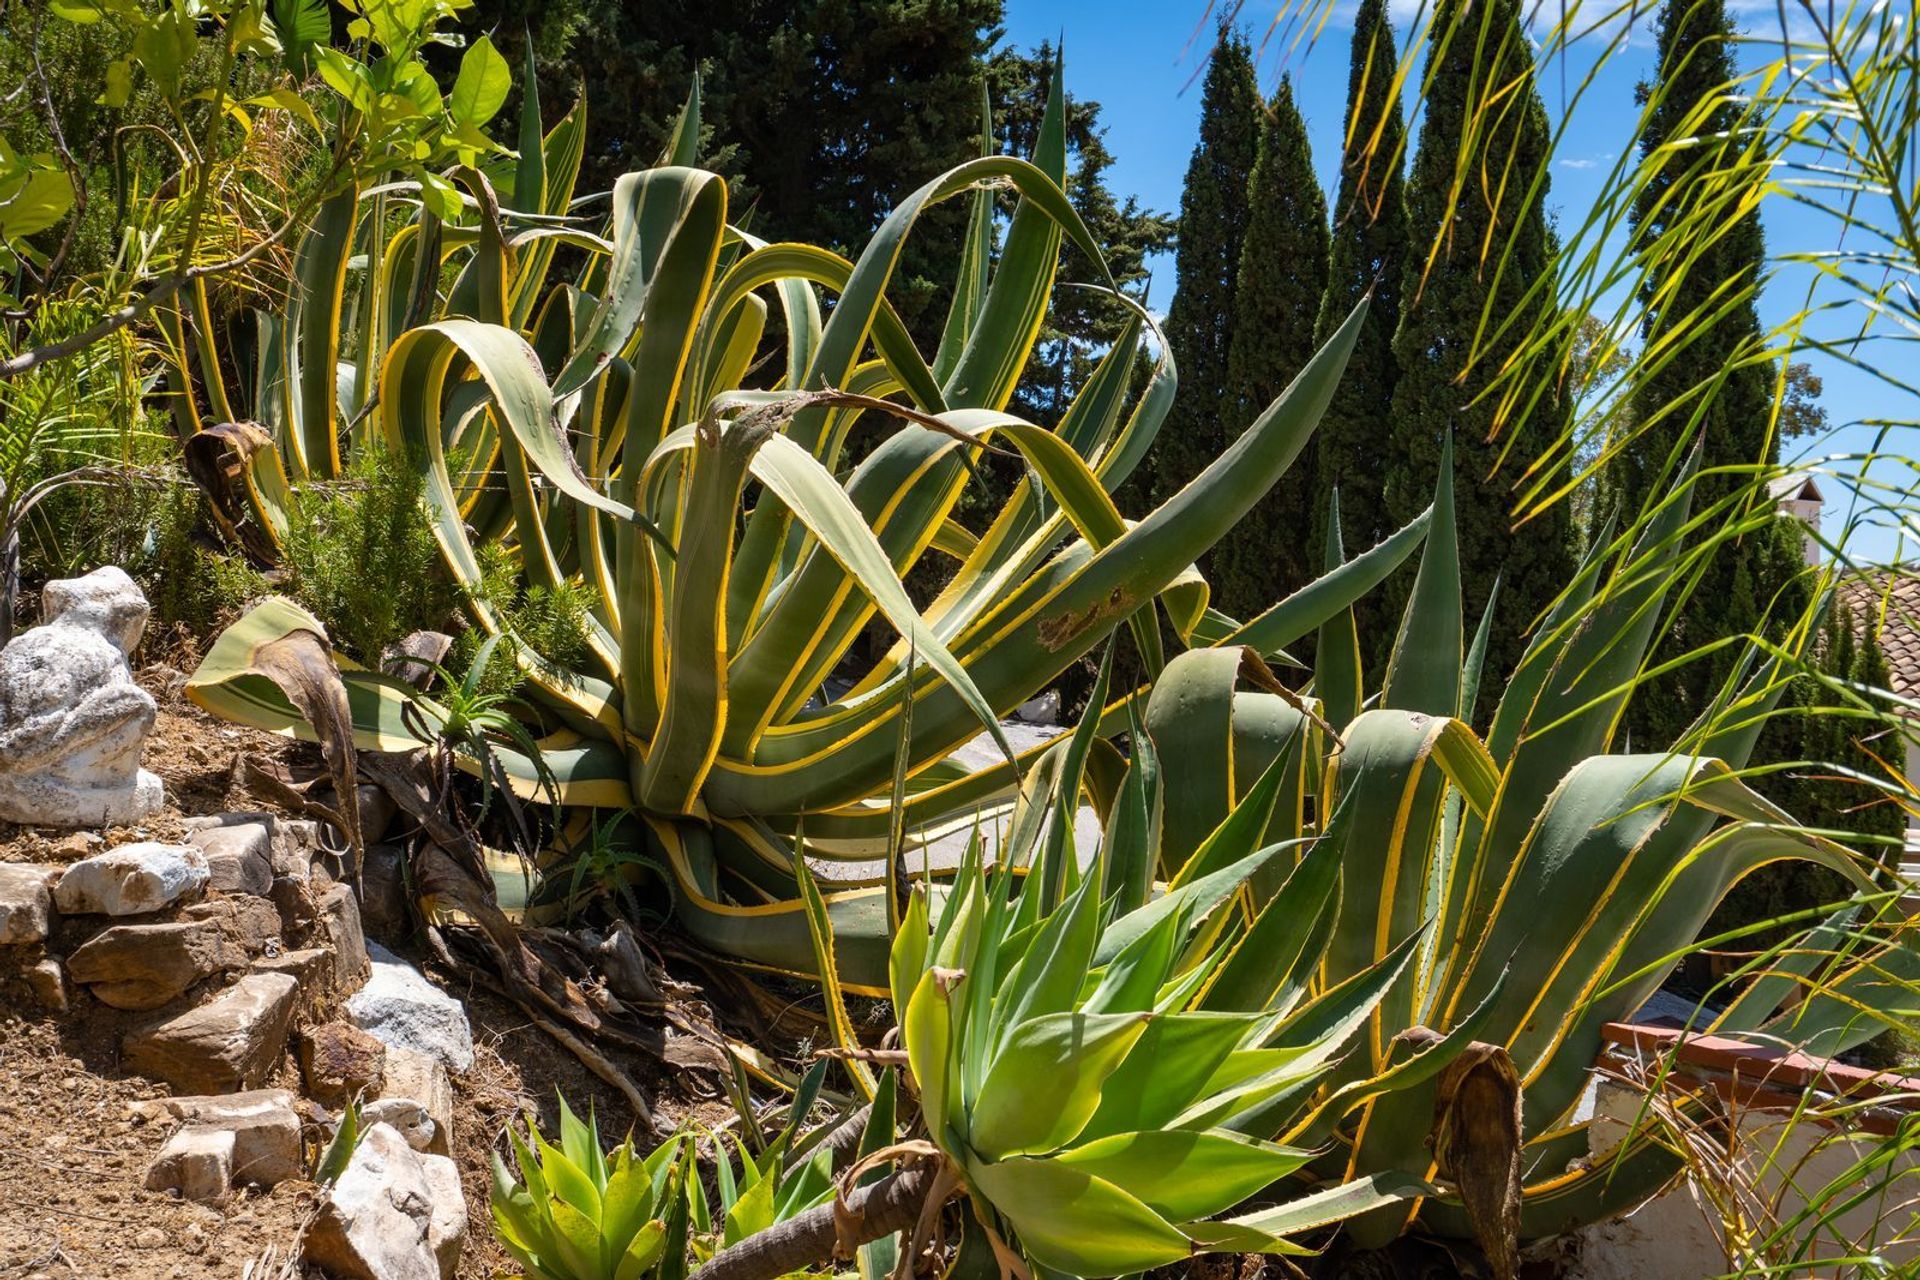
239,856
233,1042
340,1062
393,1214
143,966
296,843
312,968
422,1081
406,1011
48,983
213,1108
132,880
447,1222
263,1127
197,1163
26,905
248,924
72,721
266,1145
405,1115
340,929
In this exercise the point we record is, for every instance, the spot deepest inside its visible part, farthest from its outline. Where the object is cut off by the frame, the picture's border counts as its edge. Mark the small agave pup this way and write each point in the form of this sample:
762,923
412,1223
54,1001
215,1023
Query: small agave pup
735,551
575,1212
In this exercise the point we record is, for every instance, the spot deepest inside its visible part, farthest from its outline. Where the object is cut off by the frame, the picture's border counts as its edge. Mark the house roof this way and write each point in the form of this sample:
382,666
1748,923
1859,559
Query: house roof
1886,603
1796,486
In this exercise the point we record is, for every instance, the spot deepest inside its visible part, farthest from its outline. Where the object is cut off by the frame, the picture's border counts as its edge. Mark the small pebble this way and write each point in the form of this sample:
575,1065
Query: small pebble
151,1238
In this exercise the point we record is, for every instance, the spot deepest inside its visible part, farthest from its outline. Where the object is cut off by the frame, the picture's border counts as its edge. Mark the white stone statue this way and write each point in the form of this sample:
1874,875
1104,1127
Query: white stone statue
72,721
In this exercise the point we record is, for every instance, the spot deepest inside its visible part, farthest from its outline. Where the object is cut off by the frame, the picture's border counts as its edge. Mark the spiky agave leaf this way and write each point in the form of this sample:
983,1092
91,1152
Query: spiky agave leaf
735,556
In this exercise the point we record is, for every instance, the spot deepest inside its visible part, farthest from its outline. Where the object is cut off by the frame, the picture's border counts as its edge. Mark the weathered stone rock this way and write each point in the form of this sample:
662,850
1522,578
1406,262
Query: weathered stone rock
312,968
143,966
393,1214
340,929
447,1222
383,911
422,1081
239,856
132,880
196,1163
213,1109
72,721
248,924
402,1008
26,904
263,1124
340,1062
296,842
48,983
293,899
233,1042
266,1145
405,1115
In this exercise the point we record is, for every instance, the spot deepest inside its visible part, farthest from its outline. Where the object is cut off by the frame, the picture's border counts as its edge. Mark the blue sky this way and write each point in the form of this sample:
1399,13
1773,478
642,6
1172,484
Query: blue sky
1142,61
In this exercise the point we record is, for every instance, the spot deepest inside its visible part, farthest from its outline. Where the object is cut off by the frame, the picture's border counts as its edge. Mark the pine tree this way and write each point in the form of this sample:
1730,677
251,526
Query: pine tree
1478,212
1081,323
1283,273
1369,252
1213,226
1687,400
820,113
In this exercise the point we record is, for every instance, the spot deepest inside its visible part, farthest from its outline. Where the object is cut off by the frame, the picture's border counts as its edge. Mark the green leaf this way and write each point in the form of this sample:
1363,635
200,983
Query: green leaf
303,25
32,199
1184,1174
481,88
119,84
1077,1223
1045,1084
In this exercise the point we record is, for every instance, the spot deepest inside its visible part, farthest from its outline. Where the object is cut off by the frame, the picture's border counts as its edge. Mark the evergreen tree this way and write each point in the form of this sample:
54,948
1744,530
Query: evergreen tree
1369,252
1283,273
1803,733
1213,226
1479,242
820,113
1715,391
1080,323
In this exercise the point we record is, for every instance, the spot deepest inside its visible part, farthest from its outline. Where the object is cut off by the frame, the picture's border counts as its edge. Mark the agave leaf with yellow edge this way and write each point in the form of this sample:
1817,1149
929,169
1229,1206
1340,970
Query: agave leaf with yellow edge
735,547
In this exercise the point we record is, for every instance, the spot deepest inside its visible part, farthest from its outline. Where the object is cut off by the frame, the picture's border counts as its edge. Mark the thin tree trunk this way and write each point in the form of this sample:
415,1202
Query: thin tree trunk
879,1209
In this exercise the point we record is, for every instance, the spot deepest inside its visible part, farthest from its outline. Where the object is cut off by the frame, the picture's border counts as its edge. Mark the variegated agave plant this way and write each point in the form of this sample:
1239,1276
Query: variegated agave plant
735,548
1554,885
285,398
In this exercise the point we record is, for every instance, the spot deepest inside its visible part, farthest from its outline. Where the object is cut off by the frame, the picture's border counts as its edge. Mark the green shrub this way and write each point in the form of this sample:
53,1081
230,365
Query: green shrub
361,558
551,621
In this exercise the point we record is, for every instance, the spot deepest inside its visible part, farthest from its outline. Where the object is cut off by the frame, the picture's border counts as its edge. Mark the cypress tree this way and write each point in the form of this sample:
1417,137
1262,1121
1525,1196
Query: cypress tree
1369,251
1213,226
1283,273
1479,241
1716,391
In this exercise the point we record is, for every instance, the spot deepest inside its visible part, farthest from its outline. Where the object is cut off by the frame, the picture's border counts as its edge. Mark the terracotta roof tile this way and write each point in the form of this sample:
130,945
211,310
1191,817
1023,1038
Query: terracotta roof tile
1886,602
